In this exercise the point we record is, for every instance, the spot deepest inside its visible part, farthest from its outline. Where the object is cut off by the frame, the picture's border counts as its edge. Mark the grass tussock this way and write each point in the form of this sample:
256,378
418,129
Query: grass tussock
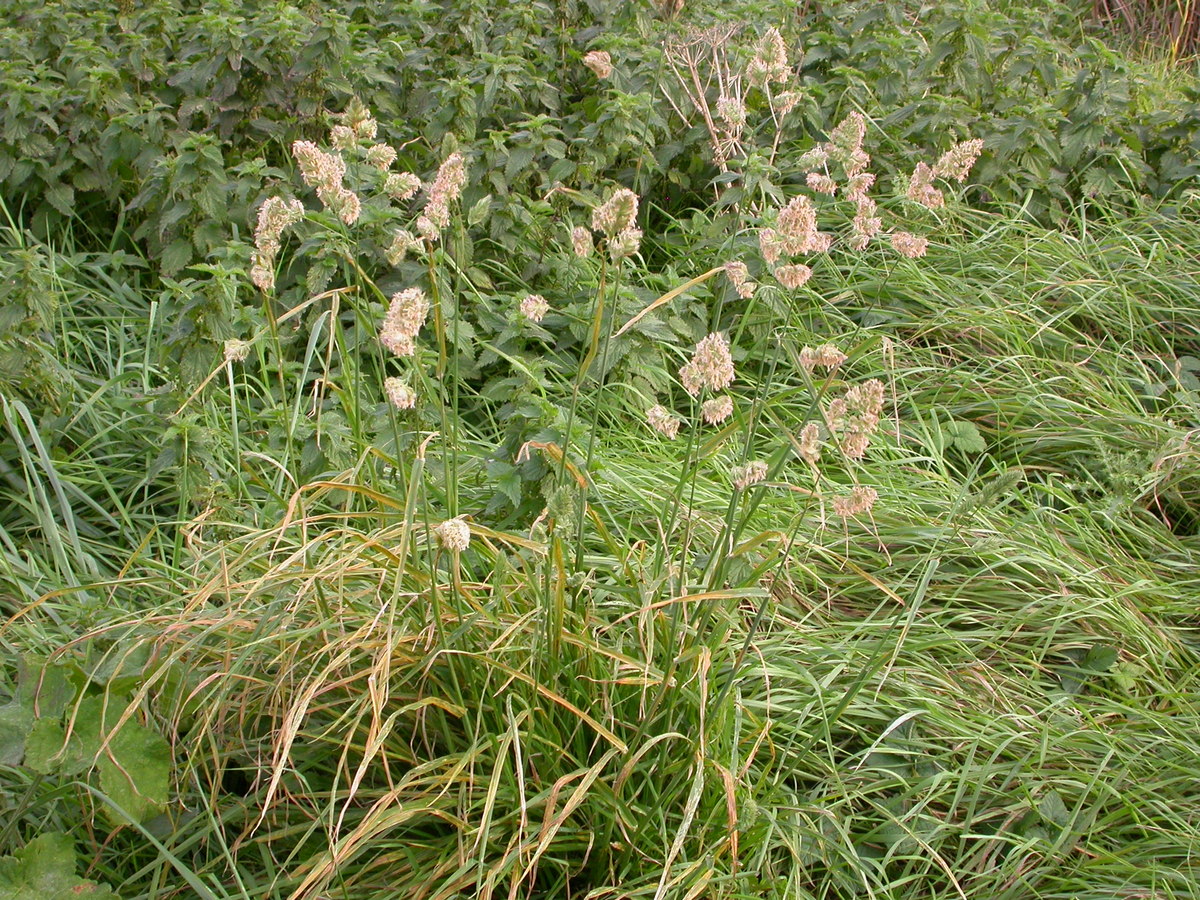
834,541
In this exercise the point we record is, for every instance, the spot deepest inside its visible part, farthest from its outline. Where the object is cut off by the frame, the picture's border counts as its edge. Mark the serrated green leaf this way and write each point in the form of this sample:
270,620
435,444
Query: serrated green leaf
175,256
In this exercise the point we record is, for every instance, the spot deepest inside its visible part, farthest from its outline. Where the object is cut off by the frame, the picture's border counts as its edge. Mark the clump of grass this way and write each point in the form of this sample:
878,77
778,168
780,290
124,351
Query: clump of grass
886,596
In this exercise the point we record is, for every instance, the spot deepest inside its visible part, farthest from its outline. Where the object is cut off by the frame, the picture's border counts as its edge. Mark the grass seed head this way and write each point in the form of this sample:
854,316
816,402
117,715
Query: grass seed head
751,473
663,421
860,500
616,214
955,164
711,366
399,394
909,245
534,307
792,277
717,409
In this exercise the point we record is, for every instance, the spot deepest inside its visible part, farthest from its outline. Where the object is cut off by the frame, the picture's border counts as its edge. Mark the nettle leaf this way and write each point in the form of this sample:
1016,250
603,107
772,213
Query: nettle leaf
45,870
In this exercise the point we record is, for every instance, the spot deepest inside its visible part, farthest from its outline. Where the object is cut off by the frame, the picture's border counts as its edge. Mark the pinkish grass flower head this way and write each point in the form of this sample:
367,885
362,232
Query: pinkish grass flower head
813,159
865,224
796,227
858,185
751,473
399,394
616,214
826,356
534,307
403,243
320,170
769,63
274,217
626,243
771,244
663,421
401,185
717,409
855,163
857,416
381,156
821,183
739,276
262,271
342,138
599,62
955,164
447,187
236,350
581,242
847,137
793,276
860,500
787,101
408,310
405,317
921,189
810,443
732,113
909,245
711,366
342,202
427,229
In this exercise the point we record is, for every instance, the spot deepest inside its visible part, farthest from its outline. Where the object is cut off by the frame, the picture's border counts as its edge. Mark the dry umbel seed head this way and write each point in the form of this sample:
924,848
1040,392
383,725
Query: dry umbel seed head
454,534
599,62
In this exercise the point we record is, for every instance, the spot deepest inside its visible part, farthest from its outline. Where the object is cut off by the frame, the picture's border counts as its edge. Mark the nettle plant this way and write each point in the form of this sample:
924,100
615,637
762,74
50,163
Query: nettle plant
493,356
